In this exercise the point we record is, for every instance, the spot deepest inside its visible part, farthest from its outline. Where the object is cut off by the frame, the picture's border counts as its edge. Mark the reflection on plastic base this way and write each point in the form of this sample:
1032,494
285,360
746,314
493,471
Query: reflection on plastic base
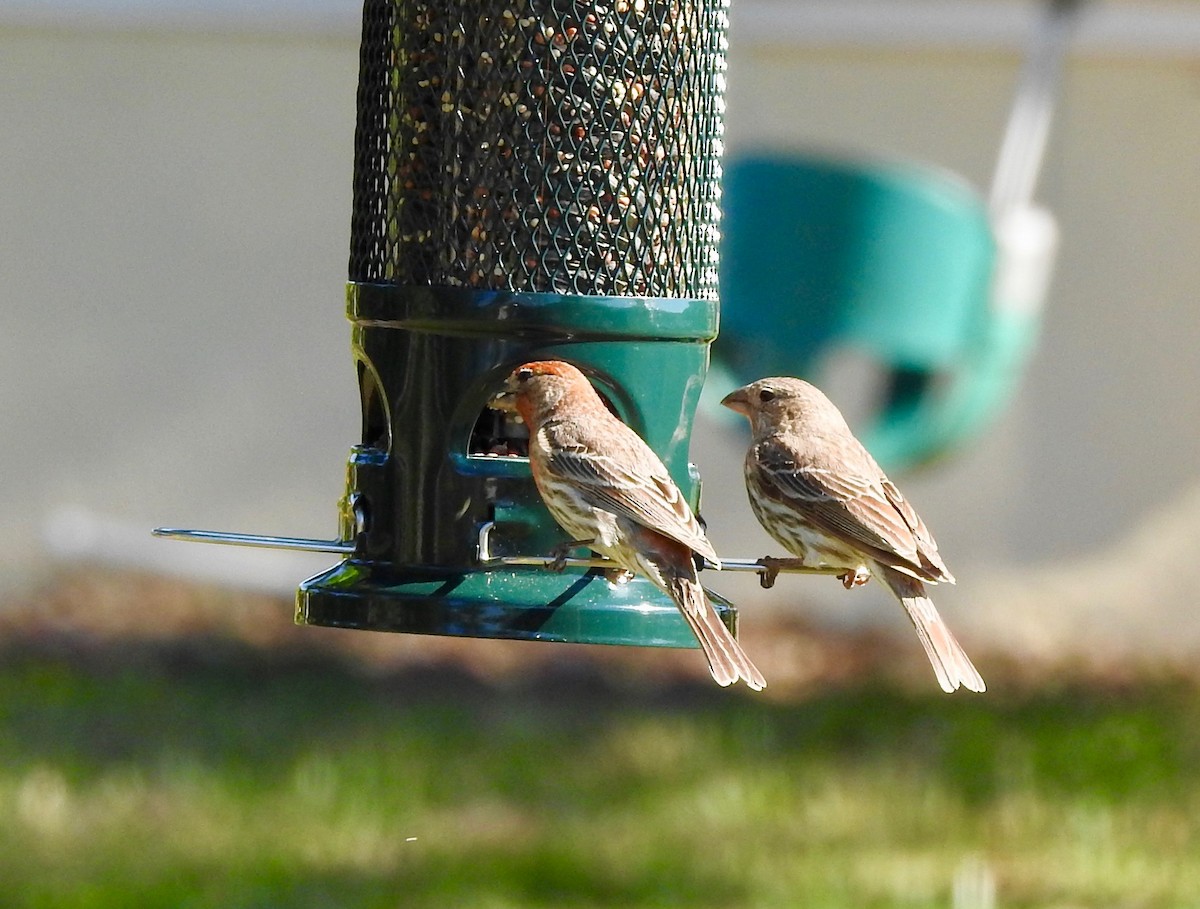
526,604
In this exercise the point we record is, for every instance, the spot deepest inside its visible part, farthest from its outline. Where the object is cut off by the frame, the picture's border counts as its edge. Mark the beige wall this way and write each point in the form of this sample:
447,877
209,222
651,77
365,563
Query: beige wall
1123,179
175,211
1103,440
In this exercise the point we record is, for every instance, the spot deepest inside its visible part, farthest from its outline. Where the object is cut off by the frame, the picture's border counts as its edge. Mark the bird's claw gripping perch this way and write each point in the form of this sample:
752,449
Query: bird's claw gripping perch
772,566
560,553
855,578
769,568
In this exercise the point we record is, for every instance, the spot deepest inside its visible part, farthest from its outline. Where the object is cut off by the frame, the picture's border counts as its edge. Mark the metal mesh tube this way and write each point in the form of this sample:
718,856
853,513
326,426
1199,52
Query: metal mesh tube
549,146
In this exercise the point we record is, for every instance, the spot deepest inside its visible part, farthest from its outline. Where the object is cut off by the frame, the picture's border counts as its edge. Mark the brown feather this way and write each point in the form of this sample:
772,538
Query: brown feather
950,662
613,469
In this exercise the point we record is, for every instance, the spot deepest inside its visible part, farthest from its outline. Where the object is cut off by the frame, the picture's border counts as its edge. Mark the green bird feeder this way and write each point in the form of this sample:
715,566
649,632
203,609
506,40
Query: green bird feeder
533,180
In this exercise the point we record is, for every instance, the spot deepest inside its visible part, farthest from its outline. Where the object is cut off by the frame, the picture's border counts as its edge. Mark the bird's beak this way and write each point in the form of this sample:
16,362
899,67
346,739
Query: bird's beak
737,401
505,401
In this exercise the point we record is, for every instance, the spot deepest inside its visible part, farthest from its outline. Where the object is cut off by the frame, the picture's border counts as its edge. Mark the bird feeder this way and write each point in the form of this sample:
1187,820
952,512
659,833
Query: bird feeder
533,179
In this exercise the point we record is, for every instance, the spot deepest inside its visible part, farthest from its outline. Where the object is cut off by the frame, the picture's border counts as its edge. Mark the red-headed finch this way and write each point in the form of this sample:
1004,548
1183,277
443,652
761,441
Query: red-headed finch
820,494
609,491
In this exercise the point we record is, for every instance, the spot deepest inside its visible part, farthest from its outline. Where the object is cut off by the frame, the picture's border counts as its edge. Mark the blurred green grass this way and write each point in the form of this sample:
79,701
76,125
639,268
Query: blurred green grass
220,776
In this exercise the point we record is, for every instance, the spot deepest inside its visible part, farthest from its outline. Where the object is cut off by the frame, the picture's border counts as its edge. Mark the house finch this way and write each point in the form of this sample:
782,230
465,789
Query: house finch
821,495
609,491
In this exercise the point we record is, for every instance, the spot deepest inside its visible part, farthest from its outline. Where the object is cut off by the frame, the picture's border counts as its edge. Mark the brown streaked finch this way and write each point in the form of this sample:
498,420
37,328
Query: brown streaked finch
609,491
820,494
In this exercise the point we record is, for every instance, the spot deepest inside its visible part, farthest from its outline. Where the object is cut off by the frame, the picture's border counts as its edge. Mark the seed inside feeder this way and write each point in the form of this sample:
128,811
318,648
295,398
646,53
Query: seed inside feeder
544,111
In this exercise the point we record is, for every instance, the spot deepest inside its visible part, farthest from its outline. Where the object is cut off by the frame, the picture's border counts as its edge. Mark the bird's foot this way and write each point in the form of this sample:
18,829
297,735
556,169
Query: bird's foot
618,576
855,578
560,553
773,566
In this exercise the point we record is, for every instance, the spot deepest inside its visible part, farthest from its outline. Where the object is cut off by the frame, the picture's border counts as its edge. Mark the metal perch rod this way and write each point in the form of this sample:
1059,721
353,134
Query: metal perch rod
250,539
768,568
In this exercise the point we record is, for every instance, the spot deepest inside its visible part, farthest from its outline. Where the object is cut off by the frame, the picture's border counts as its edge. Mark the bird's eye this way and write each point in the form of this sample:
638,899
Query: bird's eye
524,374
766,395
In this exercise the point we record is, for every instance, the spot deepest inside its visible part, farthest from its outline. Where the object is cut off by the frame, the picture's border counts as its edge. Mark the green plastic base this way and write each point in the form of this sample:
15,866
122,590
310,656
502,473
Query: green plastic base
516,603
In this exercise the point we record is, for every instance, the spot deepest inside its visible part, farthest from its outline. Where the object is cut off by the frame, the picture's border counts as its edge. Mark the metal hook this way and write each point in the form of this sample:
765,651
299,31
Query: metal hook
487,559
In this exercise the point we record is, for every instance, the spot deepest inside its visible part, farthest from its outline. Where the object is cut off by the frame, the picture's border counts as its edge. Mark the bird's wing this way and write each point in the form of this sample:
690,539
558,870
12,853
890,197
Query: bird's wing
927,548
848,501
627,479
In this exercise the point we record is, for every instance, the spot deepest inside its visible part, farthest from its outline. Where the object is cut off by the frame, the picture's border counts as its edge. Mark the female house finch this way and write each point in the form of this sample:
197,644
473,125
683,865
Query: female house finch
820,494
610,491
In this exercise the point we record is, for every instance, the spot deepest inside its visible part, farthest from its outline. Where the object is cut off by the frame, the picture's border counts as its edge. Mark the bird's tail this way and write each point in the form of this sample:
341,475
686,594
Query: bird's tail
950,662
726,660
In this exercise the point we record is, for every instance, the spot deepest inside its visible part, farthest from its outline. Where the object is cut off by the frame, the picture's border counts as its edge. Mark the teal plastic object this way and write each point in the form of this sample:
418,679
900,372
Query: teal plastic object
430,358
889,259
515,603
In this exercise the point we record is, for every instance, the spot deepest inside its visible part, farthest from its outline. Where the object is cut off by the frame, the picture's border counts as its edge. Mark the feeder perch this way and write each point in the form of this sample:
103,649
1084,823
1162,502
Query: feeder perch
532,180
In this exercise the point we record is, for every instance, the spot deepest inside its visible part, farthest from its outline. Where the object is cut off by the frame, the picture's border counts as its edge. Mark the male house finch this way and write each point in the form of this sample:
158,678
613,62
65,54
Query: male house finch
610,491
820,494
